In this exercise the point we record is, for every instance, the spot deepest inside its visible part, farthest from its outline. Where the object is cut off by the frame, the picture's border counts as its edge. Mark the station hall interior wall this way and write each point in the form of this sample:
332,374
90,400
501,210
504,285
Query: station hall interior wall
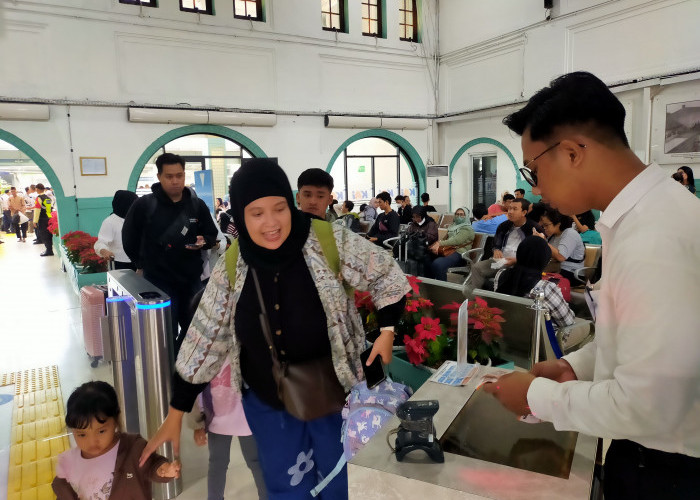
100,56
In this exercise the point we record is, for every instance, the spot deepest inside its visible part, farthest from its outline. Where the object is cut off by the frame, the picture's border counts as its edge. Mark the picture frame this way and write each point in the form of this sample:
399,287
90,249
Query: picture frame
93,165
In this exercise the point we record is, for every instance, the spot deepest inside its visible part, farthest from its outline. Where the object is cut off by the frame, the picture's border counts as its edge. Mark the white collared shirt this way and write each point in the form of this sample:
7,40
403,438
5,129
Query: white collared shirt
110,238
640,378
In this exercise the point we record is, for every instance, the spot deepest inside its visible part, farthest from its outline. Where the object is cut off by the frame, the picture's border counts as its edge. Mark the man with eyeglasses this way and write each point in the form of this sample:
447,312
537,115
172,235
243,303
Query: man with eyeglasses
639,381
508,236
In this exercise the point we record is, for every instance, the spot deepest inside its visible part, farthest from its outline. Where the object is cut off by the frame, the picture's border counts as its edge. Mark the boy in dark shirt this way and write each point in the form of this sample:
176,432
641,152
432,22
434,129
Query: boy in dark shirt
387,223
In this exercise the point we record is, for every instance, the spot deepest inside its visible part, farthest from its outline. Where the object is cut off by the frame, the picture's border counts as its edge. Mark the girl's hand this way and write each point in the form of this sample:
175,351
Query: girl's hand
535,233
171,469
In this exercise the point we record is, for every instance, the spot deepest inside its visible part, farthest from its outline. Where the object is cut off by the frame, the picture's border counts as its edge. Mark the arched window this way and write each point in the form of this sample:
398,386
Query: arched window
201,152
371,165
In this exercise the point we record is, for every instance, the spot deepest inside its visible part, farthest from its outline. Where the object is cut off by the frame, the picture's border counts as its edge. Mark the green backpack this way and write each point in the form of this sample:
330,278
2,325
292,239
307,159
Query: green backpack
324,231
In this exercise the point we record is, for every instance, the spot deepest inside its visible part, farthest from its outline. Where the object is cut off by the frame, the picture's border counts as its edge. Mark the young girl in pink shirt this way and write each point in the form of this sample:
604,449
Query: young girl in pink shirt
105,463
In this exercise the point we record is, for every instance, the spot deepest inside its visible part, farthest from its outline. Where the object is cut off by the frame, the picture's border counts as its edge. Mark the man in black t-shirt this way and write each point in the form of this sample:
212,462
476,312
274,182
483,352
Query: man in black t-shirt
387,223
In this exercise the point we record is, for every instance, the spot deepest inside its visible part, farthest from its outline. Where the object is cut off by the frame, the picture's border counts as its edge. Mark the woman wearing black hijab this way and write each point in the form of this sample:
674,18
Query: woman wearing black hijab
532,257
109,239
310,315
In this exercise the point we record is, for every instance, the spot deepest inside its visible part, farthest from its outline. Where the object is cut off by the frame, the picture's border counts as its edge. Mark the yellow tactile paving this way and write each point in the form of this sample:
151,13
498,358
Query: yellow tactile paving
38,432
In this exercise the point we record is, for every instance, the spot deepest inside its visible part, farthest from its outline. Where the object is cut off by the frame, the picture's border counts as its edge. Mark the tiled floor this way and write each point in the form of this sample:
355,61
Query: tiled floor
41,326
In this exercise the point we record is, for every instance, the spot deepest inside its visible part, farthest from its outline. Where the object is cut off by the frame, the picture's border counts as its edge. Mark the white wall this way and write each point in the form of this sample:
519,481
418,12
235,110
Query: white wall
101,51
508,51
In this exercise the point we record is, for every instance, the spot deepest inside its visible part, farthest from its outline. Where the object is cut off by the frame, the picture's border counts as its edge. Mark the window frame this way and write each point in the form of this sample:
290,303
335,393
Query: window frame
152,3
258,6
341,17
414,36
208,11
379,20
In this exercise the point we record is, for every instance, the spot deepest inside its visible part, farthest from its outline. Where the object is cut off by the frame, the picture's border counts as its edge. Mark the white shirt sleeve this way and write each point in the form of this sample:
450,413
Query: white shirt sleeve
647,350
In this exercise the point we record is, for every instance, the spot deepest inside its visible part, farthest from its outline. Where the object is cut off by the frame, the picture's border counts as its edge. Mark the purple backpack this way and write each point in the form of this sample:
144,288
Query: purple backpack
366,411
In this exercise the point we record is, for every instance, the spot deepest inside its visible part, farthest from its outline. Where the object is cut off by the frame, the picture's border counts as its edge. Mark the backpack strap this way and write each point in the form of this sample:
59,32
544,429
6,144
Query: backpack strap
329,247
231,257
336,470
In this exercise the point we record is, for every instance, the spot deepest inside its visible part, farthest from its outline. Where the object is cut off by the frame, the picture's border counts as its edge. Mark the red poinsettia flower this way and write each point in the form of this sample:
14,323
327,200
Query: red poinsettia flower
411,306
454,306
364,299
415,350
413,281
428,329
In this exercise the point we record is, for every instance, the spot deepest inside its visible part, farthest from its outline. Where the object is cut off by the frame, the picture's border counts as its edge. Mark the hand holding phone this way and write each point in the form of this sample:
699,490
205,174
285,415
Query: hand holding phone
374,373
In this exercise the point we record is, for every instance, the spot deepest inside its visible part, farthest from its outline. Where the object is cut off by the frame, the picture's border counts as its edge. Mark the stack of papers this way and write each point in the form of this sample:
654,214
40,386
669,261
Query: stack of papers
451,373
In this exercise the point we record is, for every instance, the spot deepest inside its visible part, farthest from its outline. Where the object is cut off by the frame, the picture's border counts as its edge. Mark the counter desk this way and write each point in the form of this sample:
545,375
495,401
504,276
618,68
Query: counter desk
478,436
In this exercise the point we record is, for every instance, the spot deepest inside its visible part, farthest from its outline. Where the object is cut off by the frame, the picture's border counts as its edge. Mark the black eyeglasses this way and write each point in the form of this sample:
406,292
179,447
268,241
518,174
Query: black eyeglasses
528,174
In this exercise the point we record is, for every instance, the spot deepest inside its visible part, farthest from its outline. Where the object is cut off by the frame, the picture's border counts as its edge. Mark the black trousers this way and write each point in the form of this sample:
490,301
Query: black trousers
44,235
638,473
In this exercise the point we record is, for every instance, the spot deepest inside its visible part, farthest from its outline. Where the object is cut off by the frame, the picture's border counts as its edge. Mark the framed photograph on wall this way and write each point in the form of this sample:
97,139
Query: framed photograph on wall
93,165
682,131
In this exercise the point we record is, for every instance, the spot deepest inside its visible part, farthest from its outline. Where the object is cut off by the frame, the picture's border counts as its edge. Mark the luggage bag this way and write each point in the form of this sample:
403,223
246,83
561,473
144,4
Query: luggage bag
93,309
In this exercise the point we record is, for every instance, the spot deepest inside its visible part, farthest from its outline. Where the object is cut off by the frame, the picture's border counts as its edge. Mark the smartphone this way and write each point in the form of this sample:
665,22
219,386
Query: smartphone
374,373
193,246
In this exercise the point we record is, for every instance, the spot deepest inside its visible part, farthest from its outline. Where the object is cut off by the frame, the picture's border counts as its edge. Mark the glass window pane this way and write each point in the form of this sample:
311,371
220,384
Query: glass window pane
385,176
252,9
326,20
239,7
373,12
359,179
365,26
373,27
372,146
325,5
365,12
187,4
335,21
409,18
334,6
408,182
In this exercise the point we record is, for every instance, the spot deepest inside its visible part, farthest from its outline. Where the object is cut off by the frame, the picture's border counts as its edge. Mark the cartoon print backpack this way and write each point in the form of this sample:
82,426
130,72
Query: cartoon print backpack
365,412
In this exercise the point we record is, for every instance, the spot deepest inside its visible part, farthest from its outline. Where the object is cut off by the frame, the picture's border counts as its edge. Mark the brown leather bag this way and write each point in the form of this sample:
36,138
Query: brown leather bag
309,389
445,251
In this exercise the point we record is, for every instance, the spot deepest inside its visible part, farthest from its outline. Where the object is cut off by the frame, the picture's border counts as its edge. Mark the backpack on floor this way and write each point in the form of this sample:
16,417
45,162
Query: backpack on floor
365,412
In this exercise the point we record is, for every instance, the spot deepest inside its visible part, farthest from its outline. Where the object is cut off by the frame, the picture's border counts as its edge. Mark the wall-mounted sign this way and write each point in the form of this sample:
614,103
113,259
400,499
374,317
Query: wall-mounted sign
93,165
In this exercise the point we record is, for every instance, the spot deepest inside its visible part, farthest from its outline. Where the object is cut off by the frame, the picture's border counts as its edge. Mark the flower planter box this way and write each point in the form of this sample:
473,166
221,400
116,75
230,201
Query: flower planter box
402,371
76,277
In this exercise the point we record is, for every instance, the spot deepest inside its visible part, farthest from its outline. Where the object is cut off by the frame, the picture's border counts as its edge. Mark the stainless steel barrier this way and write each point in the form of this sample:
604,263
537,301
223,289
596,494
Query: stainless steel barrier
138,337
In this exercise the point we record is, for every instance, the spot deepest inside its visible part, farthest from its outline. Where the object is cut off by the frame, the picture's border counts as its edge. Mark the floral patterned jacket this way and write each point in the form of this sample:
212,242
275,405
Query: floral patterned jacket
363,265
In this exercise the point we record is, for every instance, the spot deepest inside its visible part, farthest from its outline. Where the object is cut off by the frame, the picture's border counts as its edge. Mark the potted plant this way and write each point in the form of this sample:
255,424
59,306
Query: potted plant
86,267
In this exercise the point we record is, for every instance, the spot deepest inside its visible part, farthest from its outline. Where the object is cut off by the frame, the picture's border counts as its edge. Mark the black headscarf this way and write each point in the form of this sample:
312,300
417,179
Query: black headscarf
532,257
258,178
122,201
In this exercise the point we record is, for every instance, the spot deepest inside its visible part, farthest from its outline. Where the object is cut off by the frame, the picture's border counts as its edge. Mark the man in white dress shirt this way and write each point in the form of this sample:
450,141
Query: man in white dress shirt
638,383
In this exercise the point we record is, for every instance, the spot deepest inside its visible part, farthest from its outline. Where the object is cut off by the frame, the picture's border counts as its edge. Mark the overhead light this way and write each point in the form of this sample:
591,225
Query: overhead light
21,111
192,116
367,122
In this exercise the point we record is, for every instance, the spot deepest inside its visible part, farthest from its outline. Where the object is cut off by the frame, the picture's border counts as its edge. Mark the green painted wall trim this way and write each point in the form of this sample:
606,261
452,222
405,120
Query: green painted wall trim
171,135
384,24
92,203
520,182
68,220
406,148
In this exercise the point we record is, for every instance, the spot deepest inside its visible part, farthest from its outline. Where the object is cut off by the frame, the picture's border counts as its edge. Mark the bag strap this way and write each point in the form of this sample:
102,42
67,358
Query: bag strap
231,257
264,320
329,247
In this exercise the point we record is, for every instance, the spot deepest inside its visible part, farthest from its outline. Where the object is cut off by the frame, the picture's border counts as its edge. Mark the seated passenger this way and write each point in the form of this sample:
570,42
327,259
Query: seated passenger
531,258
487,221
387,224
460,236
348,218
422,223
585,225
368,211
565,243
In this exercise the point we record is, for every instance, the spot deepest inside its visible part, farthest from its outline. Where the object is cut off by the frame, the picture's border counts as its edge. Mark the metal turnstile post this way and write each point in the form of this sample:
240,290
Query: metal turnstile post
139,321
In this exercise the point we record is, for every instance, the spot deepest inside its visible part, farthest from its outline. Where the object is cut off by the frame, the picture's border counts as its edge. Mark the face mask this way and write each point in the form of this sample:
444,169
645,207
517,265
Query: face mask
460,220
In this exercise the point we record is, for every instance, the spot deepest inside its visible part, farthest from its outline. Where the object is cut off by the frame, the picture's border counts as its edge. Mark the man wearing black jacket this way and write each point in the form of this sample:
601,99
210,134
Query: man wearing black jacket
508,236
164,233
